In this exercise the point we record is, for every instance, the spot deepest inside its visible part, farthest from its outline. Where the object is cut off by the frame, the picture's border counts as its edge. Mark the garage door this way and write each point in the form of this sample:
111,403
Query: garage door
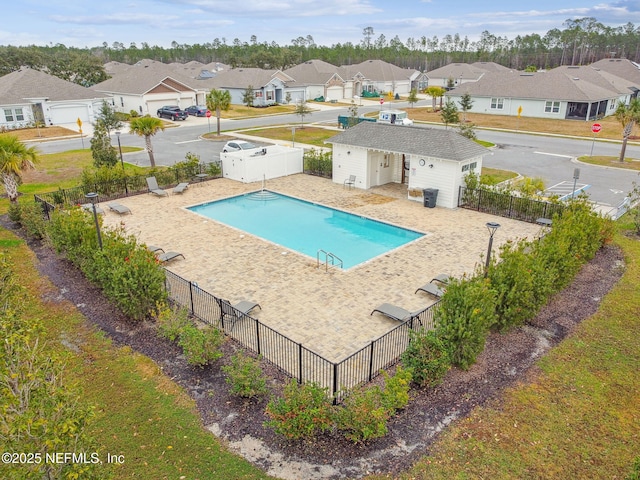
334,93
61,114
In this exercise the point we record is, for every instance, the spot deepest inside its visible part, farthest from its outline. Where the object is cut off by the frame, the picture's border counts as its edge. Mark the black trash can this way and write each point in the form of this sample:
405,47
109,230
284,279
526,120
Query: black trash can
430,196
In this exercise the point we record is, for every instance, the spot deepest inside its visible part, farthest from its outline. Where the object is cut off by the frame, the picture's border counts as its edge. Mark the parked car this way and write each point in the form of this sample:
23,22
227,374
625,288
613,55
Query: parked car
173,112
237,145
196,110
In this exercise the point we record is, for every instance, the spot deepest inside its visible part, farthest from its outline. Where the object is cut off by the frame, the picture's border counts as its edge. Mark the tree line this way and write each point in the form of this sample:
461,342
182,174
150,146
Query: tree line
579,42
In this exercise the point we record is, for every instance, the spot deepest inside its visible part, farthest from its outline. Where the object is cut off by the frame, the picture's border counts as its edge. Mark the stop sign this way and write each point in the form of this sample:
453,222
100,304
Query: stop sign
596,127
381,100
208,113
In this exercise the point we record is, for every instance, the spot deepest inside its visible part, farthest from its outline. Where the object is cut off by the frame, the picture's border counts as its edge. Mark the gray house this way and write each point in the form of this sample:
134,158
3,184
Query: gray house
377,154
268,85
147,86
28,96
569,92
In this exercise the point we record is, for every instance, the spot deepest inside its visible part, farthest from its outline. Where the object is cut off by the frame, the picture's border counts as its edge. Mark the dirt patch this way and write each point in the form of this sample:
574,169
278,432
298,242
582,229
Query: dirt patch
43,133
508,358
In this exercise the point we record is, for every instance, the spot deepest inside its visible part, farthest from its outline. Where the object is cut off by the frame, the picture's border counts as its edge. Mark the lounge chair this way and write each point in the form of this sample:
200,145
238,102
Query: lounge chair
168,256
89,208
442,278
152,184
396,313
154,249
432,289
350,182
181,187
236,311
118,208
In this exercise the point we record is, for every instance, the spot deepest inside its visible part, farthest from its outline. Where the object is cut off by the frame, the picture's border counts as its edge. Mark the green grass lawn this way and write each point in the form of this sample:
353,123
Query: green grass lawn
140,413
308,135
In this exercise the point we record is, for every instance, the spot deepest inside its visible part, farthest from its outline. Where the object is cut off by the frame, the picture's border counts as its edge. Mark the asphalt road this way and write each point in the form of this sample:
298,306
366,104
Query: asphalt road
548,157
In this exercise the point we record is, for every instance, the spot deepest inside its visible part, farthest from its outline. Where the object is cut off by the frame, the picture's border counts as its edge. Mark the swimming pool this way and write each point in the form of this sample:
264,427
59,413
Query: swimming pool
308,227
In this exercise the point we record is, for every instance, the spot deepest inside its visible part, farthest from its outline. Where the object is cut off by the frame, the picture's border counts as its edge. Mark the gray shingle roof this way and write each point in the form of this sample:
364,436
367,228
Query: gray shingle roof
437,143
312,72
470,72
581,84
620,67
24,84
376,70
243,77
142,77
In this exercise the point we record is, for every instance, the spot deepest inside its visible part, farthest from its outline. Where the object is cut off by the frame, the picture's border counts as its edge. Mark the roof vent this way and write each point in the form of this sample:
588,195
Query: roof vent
576,78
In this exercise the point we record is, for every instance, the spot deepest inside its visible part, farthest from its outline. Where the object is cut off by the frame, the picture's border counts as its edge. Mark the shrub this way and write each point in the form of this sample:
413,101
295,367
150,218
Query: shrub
427,357
395,395
522,286
32,219
363,415
303,411
200,346
14,212
464,317
170,321
245,377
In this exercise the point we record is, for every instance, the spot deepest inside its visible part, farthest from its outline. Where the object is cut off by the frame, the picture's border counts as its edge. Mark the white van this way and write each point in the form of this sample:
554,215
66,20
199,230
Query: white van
394,117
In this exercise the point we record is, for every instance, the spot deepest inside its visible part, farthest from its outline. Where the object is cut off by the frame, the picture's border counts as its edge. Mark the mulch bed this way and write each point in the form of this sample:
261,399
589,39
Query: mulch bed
507,359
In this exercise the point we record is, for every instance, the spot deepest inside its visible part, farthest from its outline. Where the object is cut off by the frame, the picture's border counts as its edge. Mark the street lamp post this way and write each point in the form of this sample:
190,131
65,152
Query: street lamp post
122,162
93,198
492,227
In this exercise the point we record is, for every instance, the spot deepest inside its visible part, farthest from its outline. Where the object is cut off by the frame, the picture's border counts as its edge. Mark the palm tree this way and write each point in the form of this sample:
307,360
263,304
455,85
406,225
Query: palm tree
15,158
628,116
435,92
146,127
219,100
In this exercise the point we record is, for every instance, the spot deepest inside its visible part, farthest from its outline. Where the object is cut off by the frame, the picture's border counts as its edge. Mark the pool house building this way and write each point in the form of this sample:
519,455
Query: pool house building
420,158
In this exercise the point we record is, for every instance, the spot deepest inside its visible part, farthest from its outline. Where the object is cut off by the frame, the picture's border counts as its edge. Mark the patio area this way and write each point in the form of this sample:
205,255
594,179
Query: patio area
328,313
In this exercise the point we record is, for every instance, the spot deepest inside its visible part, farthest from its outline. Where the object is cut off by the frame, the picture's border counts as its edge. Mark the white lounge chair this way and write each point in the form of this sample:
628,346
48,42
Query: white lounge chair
89,208
152,184
118,208
181,187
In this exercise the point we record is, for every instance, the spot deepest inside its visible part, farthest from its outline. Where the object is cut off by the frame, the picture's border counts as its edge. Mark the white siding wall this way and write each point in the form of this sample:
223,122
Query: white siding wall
354,163
445,175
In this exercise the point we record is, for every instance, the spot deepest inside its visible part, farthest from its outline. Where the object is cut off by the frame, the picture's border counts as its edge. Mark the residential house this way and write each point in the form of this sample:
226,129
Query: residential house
421,158
381,77
314,79
28,96
569,92
268,85
455,74
147,86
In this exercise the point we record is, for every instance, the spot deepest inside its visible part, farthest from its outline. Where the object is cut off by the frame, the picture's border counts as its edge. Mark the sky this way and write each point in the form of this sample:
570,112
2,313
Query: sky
87,23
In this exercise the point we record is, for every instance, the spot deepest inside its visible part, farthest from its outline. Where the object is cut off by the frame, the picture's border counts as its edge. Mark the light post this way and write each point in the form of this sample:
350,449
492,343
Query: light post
492,227
122,162
93,198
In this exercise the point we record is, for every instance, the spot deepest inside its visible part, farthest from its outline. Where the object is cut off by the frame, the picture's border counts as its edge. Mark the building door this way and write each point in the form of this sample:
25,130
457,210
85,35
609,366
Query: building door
405,169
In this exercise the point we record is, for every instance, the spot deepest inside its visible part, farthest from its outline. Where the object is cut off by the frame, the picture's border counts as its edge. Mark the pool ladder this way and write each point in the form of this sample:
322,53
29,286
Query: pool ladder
328,257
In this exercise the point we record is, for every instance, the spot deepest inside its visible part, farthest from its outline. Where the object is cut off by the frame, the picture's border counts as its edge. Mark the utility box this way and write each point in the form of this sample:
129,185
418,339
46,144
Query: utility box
430,196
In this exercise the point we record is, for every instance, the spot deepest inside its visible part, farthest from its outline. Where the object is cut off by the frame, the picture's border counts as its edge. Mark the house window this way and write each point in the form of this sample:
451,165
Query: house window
8,114
122,101
465,168
269,95
258,94
552,107
19,115
497,103
473,165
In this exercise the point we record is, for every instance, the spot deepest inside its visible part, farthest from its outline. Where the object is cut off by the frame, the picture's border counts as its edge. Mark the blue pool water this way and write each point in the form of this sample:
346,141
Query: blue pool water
307,227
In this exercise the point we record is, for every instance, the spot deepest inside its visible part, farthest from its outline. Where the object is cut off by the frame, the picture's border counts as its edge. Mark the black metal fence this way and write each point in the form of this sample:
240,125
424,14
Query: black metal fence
291,357
506,205
127,186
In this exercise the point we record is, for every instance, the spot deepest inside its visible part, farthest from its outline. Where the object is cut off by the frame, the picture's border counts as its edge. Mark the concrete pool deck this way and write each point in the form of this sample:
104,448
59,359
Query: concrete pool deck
328,313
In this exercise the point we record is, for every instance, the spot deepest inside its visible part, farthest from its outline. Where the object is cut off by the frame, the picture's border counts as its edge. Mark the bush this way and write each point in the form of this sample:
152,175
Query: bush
464,317
170,321
395,395
303,411
427,357
32,219
521,284
201,346
245,376
363,415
